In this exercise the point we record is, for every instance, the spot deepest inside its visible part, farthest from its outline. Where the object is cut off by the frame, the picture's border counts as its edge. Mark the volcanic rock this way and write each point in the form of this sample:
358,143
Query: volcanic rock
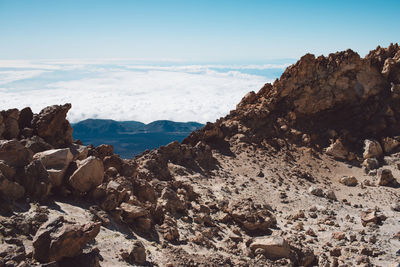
36,180
14,154
137,253
25,118
337,150
59,238
10,120
385,178
273,247
52,126
372,149
90,173
10,189
56,162
349,180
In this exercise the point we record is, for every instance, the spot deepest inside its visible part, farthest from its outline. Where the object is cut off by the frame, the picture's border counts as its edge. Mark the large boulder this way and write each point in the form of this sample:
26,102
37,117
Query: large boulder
372,149
10,118
36,180
385,178
14,154
90,173
59,238
9,189
273,247
56,162
337,150
52,126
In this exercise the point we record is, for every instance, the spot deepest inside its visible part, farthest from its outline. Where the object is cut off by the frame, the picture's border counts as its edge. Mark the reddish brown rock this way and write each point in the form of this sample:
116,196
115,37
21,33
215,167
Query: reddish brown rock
14,154
59,238
52,126
10,120
10,189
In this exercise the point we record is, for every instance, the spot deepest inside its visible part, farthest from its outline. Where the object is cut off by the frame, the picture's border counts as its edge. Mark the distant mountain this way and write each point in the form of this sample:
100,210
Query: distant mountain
130,138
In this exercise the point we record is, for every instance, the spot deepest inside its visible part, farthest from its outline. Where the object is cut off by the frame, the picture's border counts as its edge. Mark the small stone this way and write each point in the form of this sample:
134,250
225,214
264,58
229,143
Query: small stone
315,191
339,235
349,180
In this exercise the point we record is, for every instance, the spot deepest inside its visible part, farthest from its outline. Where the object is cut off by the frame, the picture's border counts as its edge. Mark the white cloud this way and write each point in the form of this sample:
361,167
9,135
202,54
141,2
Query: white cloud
16,75
119,92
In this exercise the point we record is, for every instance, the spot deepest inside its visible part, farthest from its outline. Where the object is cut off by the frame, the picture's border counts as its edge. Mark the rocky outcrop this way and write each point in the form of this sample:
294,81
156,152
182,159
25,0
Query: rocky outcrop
316,102
58,239
51,125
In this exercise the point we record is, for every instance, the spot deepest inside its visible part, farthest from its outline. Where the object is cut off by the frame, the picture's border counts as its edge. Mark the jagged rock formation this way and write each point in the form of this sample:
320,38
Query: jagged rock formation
302,173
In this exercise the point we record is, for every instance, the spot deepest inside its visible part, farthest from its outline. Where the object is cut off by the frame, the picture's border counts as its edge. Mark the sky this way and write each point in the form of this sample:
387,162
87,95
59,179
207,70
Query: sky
170,59
196,31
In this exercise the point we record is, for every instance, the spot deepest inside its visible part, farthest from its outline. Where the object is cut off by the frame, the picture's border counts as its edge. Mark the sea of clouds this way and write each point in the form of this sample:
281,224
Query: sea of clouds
131,89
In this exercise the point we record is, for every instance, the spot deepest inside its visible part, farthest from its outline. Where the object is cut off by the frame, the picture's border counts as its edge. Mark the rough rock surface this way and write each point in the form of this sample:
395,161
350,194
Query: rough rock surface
90,173
58,239
52,126
56,162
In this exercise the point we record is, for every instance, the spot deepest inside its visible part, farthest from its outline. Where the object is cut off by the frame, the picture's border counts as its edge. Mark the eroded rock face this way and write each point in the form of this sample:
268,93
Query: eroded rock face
59,238
136,254
10,120
52,126
14,154
372,149
25,118
56,162
9,189
90,173
36,180
337,150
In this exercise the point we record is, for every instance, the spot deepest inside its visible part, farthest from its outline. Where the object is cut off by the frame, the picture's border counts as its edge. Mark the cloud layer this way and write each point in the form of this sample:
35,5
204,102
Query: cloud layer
123,91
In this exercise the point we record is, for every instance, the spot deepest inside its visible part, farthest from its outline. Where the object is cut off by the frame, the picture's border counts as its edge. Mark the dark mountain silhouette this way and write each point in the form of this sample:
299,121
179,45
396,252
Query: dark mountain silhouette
130,138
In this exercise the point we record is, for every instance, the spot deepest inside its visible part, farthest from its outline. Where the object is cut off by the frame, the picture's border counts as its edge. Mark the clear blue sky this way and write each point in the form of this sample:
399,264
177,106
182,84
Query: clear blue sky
202,30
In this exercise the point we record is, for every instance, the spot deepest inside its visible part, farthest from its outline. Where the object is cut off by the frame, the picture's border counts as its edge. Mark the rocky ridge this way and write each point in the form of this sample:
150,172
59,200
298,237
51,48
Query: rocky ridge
302,173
